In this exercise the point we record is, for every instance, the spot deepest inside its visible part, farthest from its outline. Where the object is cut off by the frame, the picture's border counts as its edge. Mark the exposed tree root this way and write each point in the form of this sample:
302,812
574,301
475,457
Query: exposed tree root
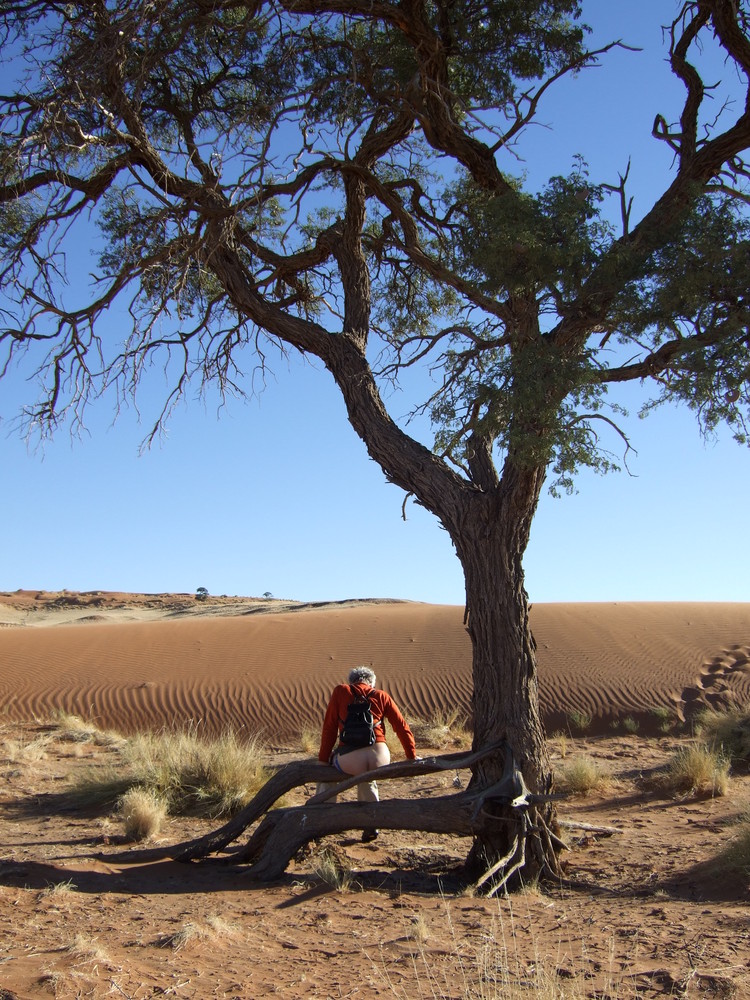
470,813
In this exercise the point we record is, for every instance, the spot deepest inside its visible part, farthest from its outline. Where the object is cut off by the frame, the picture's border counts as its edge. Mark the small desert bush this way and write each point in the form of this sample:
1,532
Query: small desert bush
442,730
579,721
142,813
728,730
630,725
664,717
695,770
581,776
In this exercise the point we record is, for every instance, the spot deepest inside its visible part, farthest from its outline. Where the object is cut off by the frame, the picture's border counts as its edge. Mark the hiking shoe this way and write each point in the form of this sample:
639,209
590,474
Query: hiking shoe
369,835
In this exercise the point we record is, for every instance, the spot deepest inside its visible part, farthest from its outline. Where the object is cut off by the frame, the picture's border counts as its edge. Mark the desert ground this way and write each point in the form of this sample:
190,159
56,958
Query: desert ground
644,908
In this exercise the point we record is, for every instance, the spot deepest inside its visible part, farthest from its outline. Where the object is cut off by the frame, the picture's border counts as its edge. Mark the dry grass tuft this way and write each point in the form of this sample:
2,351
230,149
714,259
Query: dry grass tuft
13,751
77,730
442,731
419,930
215,929
142,812
695,770
309,740
58,890
191,775
582,776
88,949
736,855
333,871
729,730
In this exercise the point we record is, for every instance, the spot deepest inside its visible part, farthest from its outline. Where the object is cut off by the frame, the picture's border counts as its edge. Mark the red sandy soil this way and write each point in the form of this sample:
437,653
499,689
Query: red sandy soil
642,912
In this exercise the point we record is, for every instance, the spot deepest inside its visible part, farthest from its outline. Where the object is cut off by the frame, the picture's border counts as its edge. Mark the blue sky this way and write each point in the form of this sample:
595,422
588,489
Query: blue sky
278,494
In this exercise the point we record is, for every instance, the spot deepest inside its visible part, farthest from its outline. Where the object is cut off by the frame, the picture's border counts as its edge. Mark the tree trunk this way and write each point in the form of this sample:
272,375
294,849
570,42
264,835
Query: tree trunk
491,542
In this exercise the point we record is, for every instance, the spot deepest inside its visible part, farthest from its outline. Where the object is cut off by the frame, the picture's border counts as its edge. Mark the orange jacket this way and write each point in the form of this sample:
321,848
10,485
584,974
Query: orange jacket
382,706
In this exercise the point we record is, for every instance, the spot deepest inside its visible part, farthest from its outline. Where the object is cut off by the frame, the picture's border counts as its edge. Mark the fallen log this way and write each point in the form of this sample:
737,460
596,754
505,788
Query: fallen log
303,772
284,831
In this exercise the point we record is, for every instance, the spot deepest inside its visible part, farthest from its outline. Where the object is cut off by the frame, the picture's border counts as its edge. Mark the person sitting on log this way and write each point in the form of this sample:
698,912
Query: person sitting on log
356,716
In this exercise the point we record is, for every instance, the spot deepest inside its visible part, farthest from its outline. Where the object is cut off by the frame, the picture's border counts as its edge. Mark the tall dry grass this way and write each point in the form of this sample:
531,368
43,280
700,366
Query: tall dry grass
498,969
442,731
581,776
696,770
142,812
189,774
729,731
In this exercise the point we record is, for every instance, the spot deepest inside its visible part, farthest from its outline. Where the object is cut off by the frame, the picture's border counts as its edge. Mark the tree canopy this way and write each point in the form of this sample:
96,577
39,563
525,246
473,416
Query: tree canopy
294,171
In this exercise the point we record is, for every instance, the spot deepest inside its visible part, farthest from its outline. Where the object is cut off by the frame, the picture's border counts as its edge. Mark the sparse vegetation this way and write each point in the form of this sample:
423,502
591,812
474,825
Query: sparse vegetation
88,949
143,813
581,776
442,730
187,773
664,717
735,856
494,961
695,770
332,870
309,739
77,730
215,928
15,752
579,721
418,929
57,890
729,731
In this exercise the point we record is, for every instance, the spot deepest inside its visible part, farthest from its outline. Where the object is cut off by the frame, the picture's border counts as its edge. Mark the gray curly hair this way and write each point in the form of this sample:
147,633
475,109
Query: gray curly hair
362,675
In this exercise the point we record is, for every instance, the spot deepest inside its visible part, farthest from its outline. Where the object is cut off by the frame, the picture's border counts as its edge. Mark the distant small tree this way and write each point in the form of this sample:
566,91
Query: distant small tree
268,595
201,594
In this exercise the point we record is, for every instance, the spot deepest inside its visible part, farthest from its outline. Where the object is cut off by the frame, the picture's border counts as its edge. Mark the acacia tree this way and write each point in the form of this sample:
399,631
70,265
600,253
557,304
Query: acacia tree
324,175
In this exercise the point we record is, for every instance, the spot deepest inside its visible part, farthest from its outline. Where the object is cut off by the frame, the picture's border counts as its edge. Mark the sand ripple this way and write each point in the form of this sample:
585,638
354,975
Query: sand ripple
272,673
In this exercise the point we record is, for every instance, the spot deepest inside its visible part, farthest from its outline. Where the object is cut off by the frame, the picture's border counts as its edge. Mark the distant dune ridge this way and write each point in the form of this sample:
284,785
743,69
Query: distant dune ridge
135,661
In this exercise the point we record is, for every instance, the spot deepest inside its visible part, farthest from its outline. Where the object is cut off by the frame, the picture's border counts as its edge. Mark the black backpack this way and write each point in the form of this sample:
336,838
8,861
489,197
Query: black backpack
359,725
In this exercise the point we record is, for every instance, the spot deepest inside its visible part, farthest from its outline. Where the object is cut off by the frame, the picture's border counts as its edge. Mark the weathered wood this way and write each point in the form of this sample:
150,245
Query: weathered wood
283,832
298,772
409,768
294,774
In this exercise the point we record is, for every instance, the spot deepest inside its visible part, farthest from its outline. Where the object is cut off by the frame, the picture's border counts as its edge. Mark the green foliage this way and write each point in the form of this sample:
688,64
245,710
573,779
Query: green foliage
224,150
546,245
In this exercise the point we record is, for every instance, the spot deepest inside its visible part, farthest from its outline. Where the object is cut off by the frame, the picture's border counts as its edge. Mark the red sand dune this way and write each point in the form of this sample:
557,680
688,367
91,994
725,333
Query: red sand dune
145,661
